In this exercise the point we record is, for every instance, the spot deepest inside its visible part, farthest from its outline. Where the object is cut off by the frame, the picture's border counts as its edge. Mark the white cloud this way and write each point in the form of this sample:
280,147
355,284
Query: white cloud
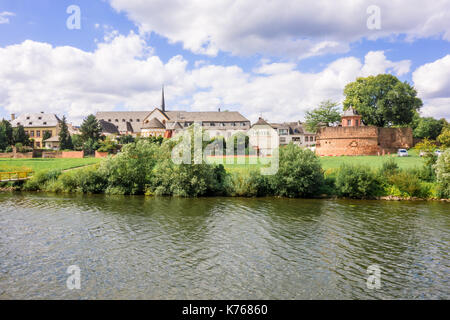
291,28
432,81
123,72
4,16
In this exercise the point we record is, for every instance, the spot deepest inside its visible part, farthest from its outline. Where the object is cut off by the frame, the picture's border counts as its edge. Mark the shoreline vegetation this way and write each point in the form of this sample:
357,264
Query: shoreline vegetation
146,168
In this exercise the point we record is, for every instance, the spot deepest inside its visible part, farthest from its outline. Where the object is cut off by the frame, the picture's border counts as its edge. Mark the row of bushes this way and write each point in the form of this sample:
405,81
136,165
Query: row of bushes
146,168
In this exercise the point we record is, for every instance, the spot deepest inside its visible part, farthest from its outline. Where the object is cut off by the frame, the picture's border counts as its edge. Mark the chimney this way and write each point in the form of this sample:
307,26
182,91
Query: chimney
219,109
42,111
13,116
163,103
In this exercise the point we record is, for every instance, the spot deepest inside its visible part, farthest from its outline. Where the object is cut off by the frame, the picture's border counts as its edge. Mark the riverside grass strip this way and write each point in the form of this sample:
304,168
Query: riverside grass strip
39,164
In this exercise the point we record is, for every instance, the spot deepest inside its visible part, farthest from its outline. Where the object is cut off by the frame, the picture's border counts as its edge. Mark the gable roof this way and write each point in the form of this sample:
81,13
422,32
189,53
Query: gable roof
350,112
130,121
36,120
153,124
206,116
108,127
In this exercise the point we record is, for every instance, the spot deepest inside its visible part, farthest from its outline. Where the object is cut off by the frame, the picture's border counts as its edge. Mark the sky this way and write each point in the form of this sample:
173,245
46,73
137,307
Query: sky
275,59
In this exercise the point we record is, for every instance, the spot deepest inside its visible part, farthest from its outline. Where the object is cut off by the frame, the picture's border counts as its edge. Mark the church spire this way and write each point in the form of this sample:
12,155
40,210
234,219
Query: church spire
163,103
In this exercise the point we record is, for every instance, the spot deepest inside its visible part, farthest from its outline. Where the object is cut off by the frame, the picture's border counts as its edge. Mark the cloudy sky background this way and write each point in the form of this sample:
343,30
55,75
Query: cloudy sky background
271,58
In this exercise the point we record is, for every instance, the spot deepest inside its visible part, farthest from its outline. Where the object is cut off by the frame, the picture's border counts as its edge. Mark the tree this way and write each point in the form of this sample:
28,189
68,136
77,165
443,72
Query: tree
90,129
444,137
3,138
429,128
240,142
8,131
382,100
19,136
442,168
47,135
65,142
327,113
77,142
128,138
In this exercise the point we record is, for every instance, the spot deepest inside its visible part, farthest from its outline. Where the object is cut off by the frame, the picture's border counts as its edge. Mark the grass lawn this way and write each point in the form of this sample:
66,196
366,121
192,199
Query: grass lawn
38,164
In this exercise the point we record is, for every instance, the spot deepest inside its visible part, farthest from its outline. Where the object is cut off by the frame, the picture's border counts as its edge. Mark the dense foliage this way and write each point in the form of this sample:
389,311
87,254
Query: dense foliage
382,100
65,141
357,182
443,174
299,175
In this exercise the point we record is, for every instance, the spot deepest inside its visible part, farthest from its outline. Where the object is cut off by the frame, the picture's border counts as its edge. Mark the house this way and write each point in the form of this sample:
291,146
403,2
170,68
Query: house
52,143
294,132
263,138
36,124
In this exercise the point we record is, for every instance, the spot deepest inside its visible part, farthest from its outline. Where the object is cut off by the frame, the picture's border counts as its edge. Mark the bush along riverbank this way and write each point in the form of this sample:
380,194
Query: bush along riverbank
147,168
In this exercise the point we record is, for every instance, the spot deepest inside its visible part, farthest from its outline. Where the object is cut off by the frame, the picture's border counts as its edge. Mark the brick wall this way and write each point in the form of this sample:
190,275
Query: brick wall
101,154
72,154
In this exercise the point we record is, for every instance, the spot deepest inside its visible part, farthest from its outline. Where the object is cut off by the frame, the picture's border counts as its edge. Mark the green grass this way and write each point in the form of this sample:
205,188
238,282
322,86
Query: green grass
413,161
39,164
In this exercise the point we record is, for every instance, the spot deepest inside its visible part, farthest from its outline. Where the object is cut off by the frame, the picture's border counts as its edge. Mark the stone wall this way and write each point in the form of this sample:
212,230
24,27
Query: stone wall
354,141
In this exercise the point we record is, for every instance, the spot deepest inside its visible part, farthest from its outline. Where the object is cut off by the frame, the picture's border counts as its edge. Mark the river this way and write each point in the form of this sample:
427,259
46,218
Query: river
221,248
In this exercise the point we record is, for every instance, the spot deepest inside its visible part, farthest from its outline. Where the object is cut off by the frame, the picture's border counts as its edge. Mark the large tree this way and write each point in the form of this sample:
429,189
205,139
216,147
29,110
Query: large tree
65,141
429,128
382,100
327,113
91,129
8,131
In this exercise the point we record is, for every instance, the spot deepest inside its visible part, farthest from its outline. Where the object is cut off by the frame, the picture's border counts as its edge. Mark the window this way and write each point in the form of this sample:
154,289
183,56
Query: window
28,118
306,139
137,120
30,123
131,120
45,122
40,118
123,120
38,144
109,120
282,140
32,133
356,122
212,124
349,122
117,120
18,123
283,132
38,133
242,123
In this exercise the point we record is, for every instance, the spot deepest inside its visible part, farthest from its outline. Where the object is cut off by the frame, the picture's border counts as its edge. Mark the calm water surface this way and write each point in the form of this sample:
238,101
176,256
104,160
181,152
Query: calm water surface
221,248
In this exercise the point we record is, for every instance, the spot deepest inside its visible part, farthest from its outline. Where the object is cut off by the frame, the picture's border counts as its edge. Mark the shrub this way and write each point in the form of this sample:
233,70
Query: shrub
187,180
247,184
407,184
90,180
443,174
389,167
130,171
357,182
39,180
299,175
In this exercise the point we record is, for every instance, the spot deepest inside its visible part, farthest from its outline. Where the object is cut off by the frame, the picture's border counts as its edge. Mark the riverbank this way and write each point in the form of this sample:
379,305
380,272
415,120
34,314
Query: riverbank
145,168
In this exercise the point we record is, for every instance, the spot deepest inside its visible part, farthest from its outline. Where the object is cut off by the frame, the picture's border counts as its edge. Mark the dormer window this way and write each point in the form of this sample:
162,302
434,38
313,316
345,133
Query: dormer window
138,120
123,120
117,120
40,118
131,120
18,123
109,120
30,123
28,118
45,122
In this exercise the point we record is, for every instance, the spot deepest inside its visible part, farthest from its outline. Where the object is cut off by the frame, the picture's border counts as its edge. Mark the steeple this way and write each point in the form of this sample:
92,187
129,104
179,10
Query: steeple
163,103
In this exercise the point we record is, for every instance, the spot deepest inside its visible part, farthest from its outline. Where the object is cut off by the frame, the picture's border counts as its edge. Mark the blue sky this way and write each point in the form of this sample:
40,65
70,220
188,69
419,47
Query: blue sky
264,60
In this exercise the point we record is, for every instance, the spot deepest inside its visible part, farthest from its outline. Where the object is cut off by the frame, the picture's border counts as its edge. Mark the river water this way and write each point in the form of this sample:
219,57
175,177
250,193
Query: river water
221,248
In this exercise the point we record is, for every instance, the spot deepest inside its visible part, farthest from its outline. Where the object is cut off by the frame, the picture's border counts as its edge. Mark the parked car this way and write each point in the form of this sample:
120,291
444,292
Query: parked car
402,153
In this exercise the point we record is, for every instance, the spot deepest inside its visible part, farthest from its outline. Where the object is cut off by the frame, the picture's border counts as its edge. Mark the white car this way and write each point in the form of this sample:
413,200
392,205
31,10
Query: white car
402,153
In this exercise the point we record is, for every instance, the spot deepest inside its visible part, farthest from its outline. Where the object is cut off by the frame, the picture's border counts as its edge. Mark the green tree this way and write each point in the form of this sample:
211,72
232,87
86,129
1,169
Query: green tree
382,100
239,141
47,135
429,128
8,131
327,113
3,138
128,138
65,141
90,129
19,136
77,142
444,137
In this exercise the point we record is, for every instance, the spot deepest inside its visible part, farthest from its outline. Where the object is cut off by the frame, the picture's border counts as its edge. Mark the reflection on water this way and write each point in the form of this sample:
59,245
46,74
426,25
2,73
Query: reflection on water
221,248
